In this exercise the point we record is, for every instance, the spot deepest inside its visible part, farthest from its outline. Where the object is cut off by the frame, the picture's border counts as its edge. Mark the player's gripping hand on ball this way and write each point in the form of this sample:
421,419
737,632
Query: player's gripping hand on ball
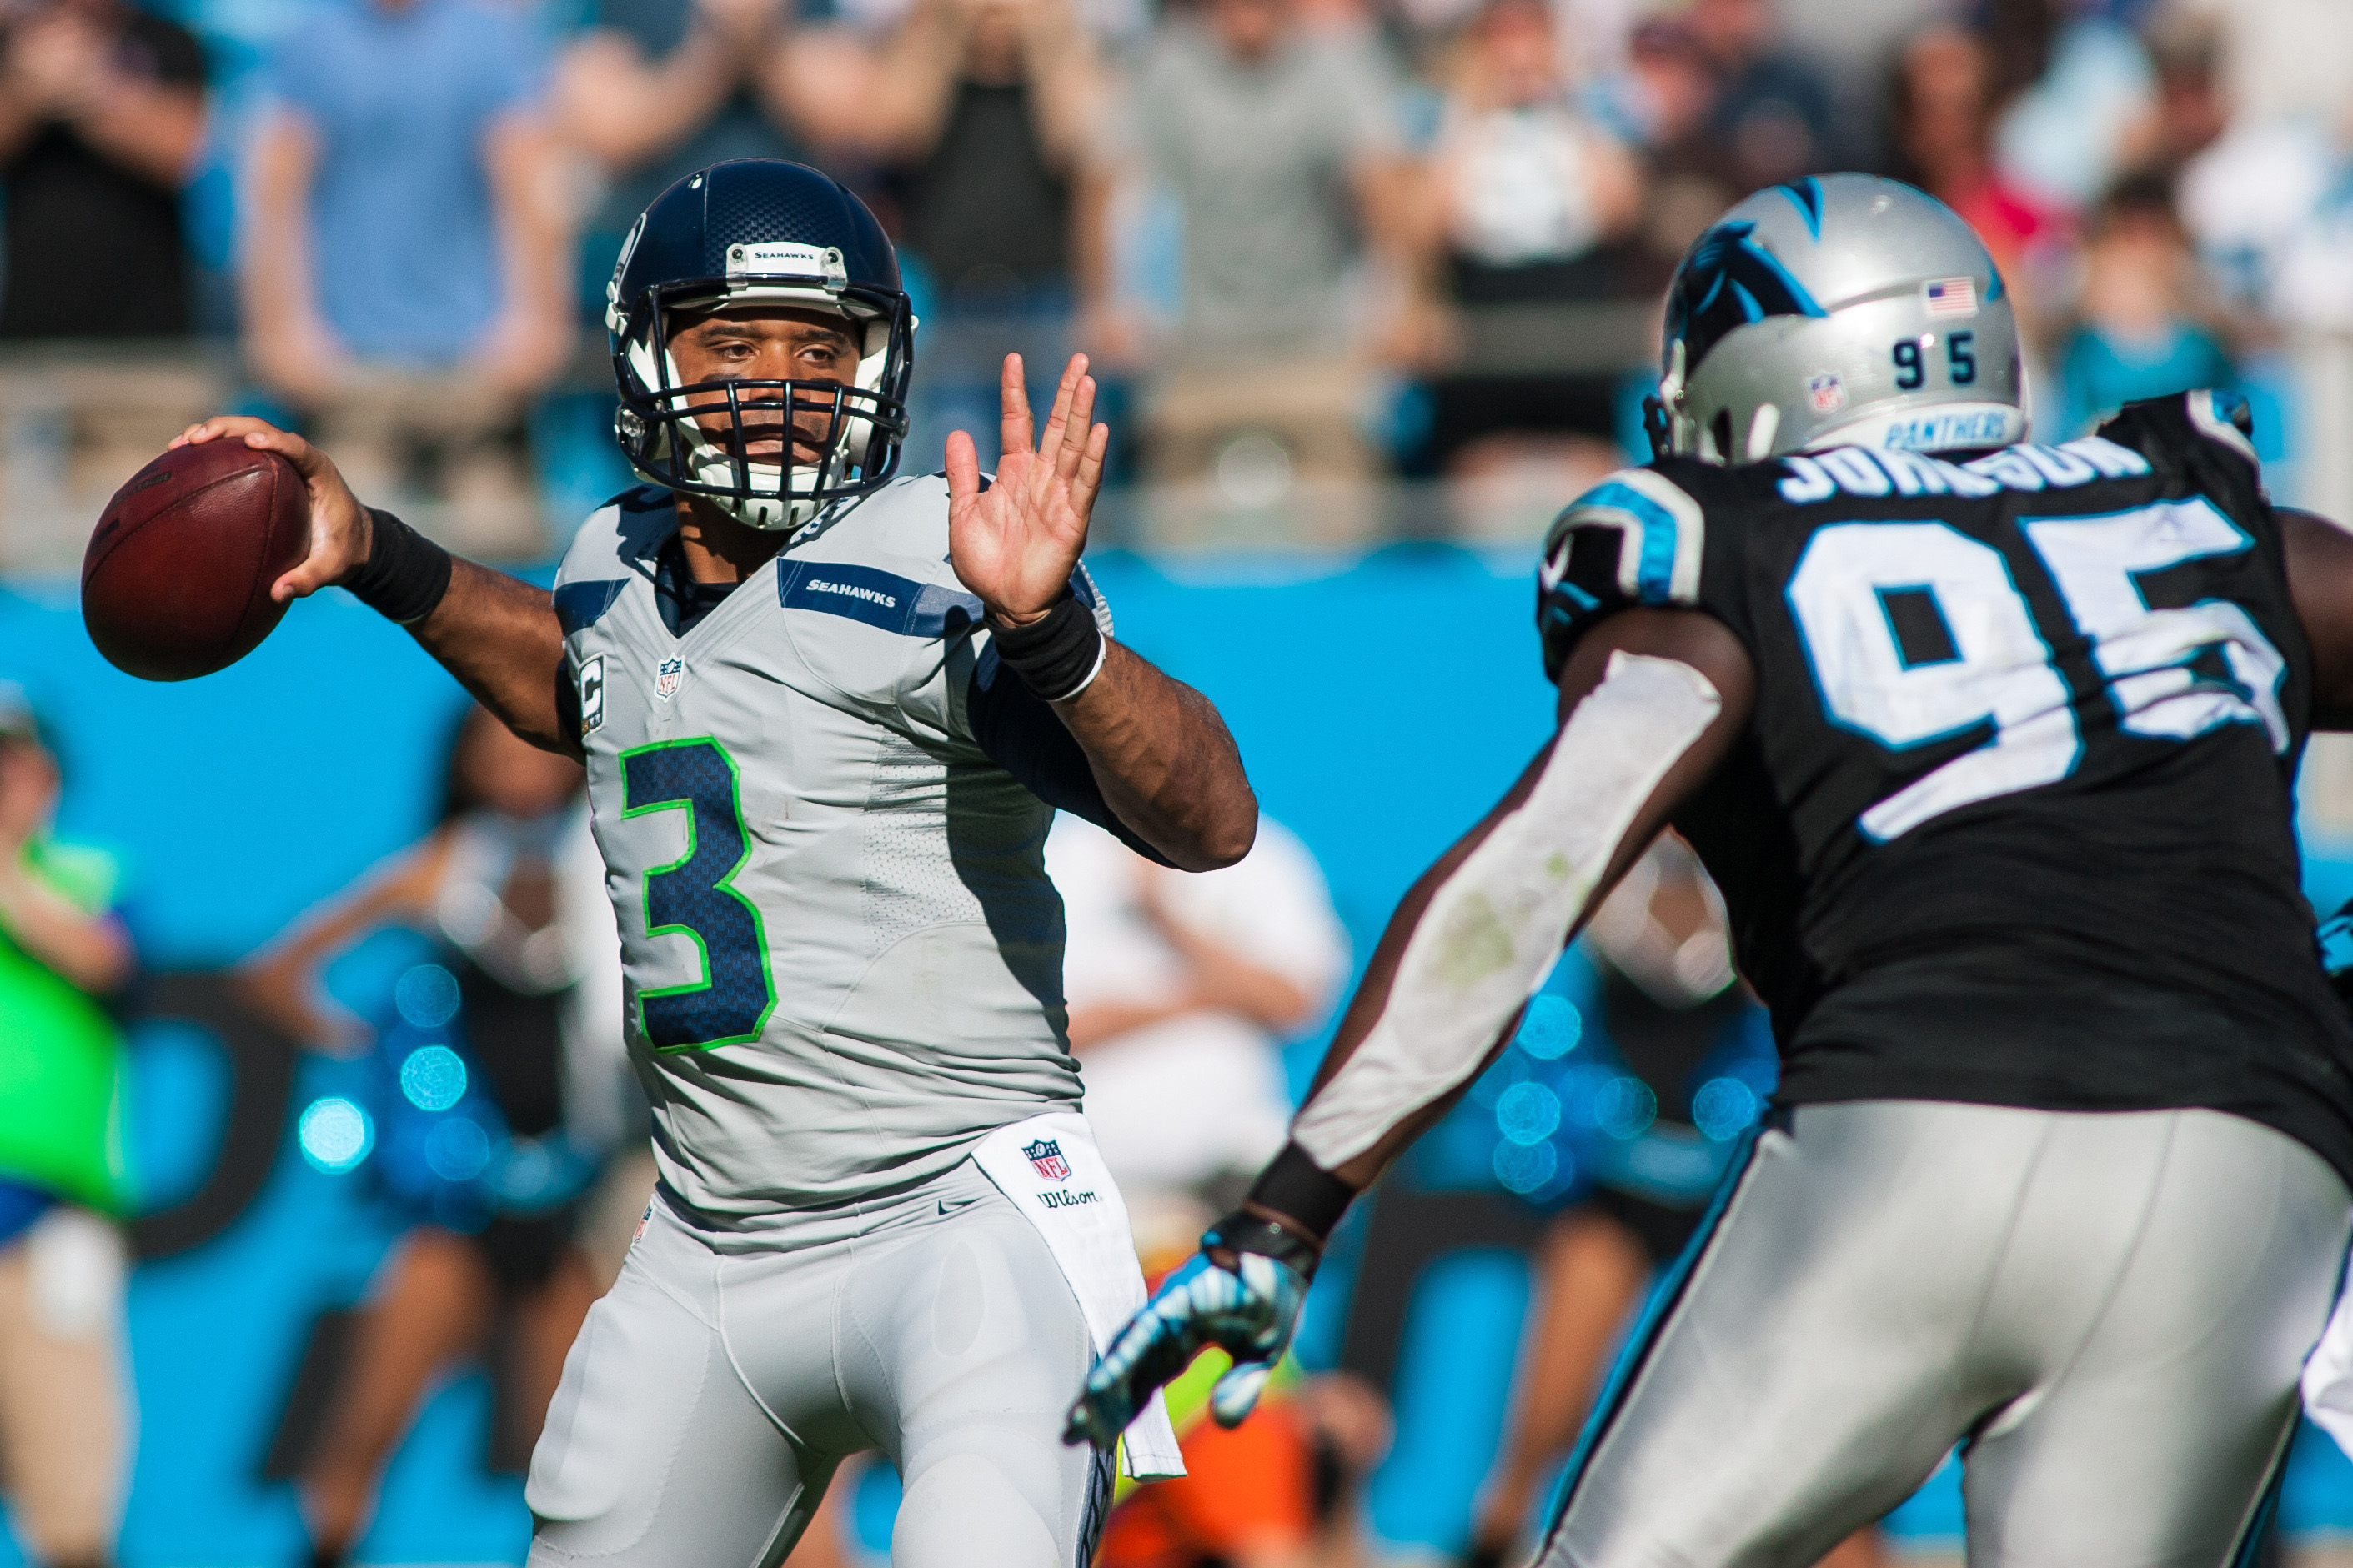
1241,1292
340,526
498,636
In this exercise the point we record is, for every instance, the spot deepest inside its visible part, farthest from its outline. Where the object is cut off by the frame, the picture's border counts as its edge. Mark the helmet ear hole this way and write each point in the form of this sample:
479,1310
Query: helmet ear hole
1721,429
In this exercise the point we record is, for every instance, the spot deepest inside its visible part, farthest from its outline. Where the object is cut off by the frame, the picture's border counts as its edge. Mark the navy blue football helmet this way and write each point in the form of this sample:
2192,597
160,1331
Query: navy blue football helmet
759,231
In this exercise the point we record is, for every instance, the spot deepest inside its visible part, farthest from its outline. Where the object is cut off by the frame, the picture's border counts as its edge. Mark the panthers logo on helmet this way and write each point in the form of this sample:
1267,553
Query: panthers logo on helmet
1729,280
1045,1154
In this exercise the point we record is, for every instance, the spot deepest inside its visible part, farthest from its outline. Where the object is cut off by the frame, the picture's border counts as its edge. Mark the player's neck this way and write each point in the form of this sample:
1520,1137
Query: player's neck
718,549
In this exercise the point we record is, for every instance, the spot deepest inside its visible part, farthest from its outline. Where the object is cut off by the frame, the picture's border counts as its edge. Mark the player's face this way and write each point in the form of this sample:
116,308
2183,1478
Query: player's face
766,343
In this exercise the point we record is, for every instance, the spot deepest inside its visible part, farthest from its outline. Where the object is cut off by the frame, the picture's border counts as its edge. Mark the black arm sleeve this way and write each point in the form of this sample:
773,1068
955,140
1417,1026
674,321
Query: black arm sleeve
1023,735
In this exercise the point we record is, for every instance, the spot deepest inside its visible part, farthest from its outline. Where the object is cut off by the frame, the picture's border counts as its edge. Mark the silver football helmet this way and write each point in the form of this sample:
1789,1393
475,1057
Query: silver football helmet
1847,311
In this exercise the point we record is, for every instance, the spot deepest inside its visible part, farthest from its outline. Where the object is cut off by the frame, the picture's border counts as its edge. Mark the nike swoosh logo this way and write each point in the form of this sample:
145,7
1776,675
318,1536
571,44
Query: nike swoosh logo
948,1207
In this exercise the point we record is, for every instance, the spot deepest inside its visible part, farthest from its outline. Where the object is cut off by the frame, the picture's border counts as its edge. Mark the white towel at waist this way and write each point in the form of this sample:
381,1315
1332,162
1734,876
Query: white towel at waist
1049,1167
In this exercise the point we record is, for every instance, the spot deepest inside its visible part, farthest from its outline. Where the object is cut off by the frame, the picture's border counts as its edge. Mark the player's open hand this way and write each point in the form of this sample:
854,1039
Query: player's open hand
339,536
1249,1309
1016,542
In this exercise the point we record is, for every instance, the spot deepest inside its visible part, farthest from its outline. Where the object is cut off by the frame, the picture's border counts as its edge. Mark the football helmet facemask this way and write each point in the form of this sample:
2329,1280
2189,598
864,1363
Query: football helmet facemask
759,232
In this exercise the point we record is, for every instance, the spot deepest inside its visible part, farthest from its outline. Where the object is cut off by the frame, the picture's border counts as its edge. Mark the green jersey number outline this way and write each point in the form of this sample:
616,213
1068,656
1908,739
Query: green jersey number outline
695,896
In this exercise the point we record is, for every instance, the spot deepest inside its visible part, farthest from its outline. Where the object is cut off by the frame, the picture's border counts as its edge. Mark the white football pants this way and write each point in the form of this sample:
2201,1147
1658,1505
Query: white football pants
711,1394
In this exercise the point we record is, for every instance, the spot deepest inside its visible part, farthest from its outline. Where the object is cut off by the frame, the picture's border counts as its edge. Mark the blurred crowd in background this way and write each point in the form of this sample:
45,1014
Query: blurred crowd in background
1349,269
1310,243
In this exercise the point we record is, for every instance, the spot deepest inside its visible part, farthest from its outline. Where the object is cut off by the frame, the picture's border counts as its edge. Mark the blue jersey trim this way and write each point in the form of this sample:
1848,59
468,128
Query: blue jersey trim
580,605
880,598
1656,571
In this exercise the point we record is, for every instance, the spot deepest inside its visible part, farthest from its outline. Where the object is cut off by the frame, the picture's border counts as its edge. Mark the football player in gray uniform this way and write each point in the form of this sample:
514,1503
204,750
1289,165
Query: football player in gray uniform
827,712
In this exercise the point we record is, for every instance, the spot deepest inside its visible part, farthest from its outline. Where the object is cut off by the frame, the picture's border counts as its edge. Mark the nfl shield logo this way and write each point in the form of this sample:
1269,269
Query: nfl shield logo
668,678
1047,1155
1828,392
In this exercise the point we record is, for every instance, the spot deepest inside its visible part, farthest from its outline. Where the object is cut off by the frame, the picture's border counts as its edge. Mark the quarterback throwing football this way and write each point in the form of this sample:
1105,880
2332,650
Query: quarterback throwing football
827,713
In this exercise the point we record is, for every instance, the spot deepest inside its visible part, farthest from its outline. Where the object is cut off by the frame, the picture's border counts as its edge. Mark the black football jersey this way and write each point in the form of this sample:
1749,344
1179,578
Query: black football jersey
2012,822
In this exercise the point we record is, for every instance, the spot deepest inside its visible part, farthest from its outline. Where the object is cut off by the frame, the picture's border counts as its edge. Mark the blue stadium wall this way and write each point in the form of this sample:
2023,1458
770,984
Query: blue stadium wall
1381,704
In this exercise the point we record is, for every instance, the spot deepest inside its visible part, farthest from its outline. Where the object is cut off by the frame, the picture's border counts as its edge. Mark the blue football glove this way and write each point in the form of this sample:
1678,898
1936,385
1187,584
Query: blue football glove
1248,1310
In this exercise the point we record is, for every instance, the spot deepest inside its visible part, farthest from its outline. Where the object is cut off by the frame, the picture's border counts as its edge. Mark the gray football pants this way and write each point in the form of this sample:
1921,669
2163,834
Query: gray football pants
2108,1310
711,1395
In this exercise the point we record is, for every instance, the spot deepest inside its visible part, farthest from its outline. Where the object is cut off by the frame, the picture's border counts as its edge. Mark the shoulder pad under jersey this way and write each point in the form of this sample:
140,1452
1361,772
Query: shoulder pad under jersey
2170,430
1633,539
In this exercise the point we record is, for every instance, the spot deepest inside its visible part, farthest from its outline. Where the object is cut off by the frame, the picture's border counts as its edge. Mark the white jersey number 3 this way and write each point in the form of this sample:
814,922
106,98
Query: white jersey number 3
1917,634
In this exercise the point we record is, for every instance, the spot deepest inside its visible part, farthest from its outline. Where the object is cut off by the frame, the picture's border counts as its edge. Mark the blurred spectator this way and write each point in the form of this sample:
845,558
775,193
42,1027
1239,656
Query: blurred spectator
2146,322
1773,118
1526,193
101,114
2075,89
2253,193
1281,1490
2192,107
1668,97
655,89
405,278
64,955
1278,1492
991,107
1849,43
1275,139
2285,58
1181,989
499,1094
990,111
1940,115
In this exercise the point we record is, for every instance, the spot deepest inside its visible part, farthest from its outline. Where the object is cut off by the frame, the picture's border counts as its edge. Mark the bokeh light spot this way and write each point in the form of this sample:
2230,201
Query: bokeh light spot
1524,1167
458,1148
1723,1108
434,1078
1551,1029
1627,1107
1528,1112
334,1134
426,996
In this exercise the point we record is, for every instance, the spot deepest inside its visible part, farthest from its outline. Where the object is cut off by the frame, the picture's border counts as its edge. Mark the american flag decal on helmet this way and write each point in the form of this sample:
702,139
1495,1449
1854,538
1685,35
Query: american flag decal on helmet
1950,296
1045,1154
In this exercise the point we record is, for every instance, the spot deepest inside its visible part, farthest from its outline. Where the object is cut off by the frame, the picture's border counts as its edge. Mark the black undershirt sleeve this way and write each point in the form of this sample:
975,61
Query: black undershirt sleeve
1022,735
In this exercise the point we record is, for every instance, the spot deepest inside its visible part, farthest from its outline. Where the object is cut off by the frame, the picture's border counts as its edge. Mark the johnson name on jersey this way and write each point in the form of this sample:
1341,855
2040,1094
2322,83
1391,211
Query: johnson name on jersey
823,812
2012,821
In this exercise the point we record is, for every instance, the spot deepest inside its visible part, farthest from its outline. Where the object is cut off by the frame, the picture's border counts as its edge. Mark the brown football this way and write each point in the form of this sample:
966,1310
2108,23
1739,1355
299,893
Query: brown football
176,580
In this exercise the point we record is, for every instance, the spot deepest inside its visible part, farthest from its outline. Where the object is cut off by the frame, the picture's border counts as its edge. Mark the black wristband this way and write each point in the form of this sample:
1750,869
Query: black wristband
1295,1186
1286,1244
405,574
1056,655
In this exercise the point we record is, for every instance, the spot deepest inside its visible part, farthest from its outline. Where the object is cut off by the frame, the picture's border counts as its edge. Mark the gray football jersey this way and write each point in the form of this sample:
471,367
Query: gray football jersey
842,955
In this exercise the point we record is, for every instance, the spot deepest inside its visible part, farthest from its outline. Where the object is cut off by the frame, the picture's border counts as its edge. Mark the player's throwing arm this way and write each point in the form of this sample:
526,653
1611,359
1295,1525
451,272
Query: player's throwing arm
496,635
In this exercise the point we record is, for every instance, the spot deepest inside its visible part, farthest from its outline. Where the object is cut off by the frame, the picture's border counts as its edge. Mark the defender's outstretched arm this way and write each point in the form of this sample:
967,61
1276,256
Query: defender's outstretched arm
1651,701
496,635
